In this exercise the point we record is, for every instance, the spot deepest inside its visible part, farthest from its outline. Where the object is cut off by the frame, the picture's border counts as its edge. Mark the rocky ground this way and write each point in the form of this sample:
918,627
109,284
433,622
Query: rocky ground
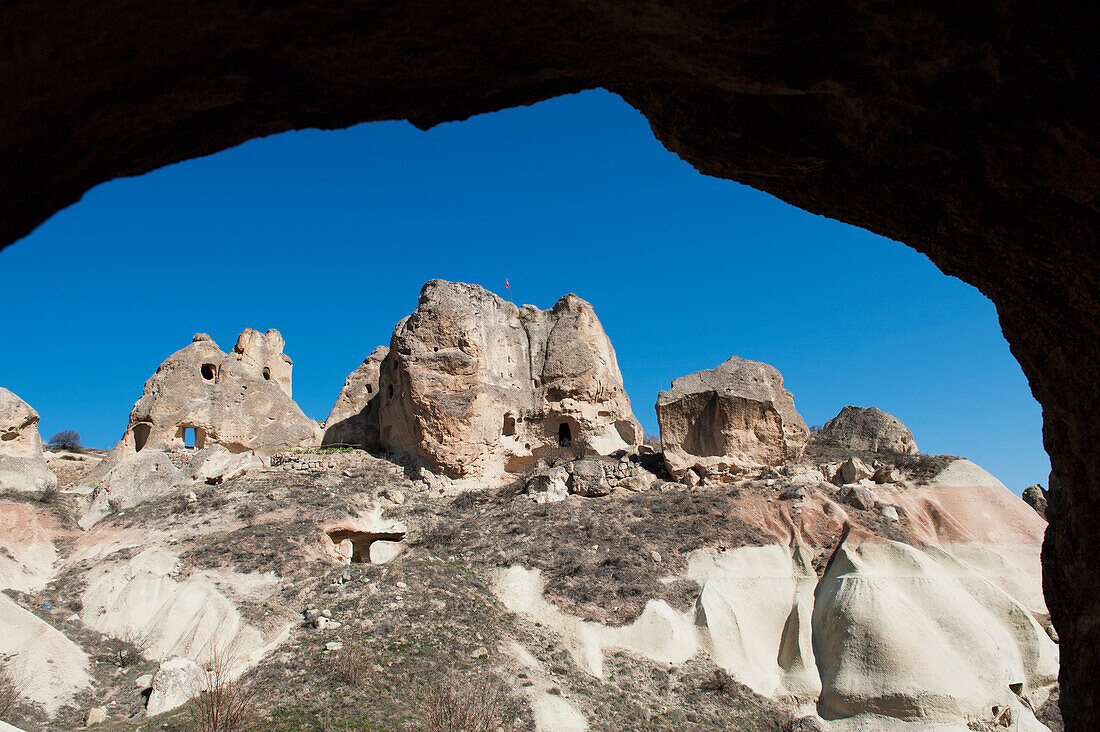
395,634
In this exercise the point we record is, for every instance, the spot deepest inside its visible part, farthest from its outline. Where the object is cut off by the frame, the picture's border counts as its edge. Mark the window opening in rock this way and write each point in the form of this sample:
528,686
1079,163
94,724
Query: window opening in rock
188,436
208,371
391,390
370,389
141,436
267,373
509,425
565,435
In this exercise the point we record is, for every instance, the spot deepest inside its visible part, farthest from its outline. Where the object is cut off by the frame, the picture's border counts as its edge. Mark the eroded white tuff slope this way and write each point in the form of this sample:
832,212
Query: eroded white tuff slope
937,632
51,669
474,387
178,616
22,463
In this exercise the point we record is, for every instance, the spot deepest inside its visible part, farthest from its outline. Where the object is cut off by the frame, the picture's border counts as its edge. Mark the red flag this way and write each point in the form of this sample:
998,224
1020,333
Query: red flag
506,287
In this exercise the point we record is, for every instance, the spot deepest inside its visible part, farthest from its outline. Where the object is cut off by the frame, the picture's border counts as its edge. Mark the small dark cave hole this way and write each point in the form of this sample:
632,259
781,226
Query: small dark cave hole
208,371
565,435
509,425
267,373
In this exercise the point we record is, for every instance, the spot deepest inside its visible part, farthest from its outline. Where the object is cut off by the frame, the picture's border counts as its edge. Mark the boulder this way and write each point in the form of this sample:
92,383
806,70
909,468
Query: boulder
475,388
239,400
550,485
1036,497
868,428
587,479
95,715
215,464
637,483
886,474
22,463
177,681
728,420
354,417
859,496
853,469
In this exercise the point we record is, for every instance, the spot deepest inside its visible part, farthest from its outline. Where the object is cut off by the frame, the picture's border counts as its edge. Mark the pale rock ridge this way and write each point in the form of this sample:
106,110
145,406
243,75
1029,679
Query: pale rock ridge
474,387
724,421
354,417
224,398
869,428
52,668
22,463
27,534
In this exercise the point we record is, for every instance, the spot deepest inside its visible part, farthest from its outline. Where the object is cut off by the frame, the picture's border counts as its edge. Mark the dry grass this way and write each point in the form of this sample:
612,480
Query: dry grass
463,703
228,704
10,691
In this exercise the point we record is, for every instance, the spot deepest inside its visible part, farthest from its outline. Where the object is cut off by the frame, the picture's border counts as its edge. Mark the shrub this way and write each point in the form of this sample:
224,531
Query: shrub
352,665
67,440
228,704
10,690
129,648
50,493
461,703
437,533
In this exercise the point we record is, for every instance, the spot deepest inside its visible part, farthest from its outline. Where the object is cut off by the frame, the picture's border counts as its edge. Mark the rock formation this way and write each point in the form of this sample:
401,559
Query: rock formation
723,421
1036,497
22,463
871,429
354,417
264,352
475,387
225,398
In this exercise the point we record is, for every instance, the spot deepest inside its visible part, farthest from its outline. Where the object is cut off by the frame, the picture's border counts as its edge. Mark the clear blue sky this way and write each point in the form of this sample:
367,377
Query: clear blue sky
328,237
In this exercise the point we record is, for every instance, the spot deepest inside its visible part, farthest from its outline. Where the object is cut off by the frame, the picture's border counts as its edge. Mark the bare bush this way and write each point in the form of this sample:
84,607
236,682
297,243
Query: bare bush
129,648
228,704
67,440
462,703
50,493
10,691
352,665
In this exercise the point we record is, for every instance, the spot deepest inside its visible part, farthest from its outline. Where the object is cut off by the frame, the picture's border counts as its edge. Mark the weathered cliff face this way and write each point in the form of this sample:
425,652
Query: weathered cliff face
225,398
967,132
354,417
22,463
475,387
720,422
